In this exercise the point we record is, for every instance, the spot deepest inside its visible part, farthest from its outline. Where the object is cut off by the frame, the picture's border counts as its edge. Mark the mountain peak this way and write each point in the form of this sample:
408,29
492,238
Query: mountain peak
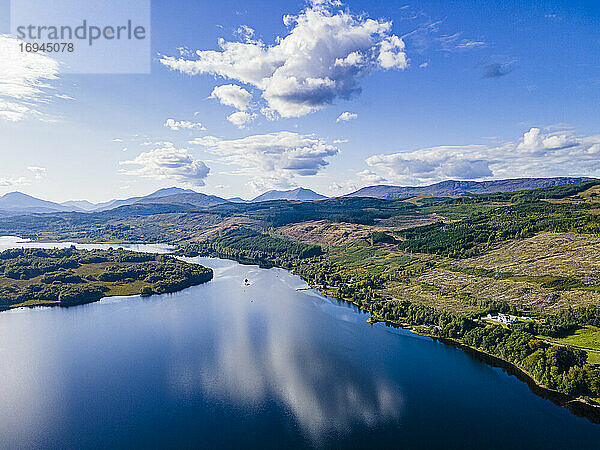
16,195
299,193
20,203
165,192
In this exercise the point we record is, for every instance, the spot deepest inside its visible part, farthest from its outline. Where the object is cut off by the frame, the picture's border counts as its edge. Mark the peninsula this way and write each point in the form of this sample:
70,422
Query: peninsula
67,277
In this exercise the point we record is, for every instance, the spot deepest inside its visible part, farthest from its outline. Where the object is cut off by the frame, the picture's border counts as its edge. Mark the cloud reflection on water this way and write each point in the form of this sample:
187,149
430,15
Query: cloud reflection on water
264,352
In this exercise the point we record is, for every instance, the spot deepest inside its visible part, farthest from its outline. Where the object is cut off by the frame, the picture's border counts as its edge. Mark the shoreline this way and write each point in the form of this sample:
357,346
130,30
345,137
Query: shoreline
575,405
109,287
53,304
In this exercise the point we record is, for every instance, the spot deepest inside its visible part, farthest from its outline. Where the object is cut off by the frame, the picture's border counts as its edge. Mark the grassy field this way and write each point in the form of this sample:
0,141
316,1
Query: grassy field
336,234
435,296
559,254
544,274
586,338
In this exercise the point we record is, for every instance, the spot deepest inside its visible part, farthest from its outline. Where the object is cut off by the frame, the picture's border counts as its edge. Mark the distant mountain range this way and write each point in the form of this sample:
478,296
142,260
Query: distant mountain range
455,188
301,194
82,205
19,203
16,203
166,192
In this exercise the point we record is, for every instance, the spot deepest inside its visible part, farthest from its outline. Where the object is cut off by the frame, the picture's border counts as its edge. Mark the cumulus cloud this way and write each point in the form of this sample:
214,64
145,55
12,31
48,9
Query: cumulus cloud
25,80
7,182
183,124
356,181
536,142
38,172
241,118
346,116
157,144
537,153
232,95
272,159
369,177
266,183
325,55
437,163
167,163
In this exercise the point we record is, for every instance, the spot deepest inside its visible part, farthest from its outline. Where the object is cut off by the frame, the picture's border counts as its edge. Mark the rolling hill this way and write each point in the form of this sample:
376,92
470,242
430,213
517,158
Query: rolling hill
186,198
453,188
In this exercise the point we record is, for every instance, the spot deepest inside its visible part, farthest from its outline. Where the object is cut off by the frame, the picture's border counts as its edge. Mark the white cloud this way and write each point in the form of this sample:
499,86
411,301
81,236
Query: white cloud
232,95
467,44
433,164
157,144
535,142
179,124
168,163
24,80
325,55
369,177
274,158
536,154
7,182
245,32
241,118
117,140
258,185
454,42
356,181
424,65
38,172
429,36
346,116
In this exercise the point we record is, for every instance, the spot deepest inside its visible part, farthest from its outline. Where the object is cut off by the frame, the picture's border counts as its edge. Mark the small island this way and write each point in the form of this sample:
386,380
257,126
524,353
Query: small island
67,277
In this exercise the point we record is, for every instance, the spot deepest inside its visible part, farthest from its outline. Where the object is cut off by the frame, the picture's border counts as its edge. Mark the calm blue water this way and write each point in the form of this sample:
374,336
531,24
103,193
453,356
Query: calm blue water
225,365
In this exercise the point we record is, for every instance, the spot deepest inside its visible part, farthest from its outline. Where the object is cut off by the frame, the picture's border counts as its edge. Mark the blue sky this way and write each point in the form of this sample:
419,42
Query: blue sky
474,90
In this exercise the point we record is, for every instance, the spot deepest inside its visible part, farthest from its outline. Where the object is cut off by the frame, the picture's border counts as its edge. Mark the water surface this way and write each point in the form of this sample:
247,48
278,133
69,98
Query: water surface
263,365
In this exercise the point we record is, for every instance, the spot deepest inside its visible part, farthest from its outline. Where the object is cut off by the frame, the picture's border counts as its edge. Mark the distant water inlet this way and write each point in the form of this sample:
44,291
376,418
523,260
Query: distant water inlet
248,360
